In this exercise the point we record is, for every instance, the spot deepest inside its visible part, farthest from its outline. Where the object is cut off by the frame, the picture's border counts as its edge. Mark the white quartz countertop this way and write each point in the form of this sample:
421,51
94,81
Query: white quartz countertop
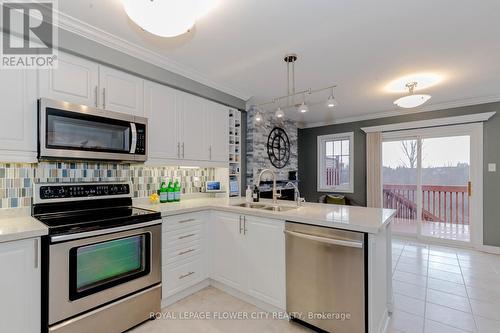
369,220
17,223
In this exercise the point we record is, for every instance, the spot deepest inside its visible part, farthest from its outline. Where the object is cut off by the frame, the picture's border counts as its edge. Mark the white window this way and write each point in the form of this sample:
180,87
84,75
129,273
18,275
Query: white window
335,163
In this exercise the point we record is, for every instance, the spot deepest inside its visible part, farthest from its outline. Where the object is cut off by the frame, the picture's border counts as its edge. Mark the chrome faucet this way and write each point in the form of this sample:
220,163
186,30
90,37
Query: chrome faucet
276,195
296,192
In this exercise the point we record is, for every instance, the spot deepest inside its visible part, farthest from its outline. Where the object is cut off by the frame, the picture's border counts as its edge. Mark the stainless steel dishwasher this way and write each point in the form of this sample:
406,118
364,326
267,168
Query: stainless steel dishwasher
325,278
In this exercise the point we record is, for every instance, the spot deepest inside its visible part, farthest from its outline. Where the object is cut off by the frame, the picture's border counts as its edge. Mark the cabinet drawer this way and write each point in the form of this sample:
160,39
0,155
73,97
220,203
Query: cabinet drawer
180,252
181,236
181,221
176,278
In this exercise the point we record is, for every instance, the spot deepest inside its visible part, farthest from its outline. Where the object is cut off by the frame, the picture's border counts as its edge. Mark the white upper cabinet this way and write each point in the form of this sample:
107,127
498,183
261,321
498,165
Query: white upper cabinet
75,80
121,92
20,286
218,129
163,119
18,115
194,129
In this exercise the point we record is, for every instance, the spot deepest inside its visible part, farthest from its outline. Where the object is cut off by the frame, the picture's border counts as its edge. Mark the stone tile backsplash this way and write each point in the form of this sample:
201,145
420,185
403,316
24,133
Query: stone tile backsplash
16,179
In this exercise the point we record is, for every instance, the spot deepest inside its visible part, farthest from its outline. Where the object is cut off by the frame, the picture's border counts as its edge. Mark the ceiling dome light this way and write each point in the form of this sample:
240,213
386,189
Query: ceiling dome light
303,108
279,114
411,101
424,80
167,18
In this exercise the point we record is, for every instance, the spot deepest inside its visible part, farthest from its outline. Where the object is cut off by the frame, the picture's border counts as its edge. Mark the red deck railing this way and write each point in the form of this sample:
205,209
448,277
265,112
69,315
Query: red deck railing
440,203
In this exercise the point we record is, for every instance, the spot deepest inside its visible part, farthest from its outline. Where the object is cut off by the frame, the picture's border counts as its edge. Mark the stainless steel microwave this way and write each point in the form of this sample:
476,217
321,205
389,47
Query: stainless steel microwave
71,131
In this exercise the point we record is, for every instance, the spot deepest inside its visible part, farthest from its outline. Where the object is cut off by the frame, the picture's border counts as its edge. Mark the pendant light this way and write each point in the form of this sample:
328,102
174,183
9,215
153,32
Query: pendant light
332,102
303,108
258,117
412,100
279,113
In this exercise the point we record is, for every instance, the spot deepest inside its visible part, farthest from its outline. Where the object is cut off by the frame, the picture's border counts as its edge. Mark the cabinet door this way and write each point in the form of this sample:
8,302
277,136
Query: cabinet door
265,260
194,143
226,250
218,120
74,80
20,286
121,92
18,112
163,121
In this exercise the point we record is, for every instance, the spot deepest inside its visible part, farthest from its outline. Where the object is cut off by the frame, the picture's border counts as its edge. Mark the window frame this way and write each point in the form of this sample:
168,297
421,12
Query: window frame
321,143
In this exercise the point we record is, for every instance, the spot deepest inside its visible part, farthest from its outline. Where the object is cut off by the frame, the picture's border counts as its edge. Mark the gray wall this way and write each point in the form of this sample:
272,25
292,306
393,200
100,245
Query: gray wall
308,159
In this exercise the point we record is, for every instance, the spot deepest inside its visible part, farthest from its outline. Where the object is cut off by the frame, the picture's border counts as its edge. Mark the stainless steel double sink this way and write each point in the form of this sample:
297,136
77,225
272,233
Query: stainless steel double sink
266,207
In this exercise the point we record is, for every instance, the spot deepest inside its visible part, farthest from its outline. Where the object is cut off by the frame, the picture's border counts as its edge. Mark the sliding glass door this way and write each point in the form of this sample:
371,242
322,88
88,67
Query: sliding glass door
428,176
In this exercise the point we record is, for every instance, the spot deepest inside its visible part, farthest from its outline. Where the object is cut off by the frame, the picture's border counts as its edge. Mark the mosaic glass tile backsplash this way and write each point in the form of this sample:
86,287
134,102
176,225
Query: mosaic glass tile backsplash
16,179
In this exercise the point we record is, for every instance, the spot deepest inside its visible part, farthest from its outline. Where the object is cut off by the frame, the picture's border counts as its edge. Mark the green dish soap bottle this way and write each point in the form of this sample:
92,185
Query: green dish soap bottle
163,192
170,191
177,191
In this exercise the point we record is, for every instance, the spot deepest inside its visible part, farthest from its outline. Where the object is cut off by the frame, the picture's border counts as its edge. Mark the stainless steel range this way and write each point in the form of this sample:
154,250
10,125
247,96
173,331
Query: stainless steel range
101,261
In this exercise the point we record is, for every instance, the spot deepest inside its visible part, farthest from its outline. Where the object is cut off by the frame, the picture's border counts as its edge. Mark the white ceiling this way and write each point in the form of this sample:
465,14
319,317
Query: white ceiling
359,45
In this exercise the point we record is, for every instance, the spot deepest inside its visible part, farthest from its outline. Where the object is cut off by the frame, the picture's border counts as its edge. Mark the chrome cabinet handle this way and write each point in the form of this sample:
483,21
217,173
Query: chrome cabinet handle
210,152
244,225
326,240
240,225
185,275
96,96
178,150
183,150
185,252
186,236
186,221
103,98
36,253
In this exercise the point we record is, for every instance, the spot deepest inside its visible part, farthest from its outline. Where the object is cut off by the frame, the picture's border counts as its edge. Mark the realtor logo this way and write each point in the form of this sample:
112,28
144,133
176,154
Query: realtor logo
29,34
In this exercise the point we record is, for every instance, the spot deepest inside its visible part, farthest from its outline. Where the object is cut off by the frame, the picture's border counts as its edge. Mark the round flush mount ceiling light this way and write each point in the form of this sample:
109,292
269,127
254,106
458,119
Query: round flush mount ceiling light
424,80
412,100
167,18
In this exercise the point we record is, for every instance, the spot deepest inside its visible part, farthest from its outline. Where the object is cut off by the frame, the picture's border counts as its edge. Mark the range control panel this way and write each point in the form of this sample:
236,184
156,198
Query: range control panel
82,190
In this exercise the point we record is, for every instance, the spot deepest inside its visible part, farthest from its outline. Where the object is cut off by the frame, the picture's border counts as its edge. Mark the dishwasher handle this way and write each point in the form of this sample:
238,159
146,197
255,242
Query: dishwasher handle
326,240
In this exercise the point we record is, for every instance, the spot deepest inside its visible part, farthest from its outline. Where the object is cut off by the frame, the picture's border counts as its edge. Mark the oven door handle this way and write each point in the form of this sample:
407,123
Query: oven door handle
63,238
133,138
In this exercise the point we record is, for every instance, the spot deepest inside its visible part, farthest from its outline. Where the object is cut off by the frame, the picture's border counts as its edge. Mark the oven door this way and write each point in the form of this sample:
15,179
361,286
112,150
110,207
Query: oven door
89,272
80,132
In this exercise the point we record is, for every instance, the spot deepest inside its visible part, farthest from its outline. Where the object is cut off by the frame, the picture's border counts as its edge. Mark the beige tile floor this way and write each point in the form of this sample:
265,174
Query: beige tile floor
216,303
436,289
444,290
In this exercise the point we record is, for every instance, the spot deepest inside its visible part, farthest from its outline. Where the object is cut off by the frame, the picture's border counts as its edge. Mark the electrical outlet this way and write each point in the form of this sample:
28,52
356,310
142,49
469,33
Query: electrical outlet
492,167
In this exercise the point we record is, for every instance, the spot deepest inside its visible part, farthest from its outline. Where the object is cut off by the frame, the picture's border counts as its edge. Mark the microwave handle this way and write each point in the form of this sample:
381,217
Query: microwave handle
133,140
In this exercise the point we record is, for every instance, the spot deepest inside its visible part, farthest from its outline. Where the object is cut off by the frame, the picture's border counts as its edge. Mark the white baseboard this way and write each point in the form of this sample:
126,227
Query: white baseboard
489,249
225,288
185,293
244,297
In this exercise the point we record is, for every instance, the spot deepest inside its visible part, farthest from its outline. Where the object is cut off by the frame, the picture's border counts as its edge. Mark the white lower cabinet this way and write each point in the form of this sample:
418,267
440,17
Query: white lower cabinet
248,254
184,254
243,252
20,286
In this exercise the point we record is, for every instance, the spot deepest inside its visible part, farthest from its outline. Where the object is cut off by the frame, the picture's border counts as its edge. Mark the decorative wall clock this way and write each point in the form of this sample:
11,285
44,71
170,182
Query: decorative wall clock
278,147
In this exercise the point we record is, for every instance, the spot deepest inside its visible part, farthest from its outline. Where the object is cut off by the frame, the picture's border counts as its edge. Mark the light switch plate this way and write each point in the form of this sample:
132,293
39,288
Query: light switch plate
492,167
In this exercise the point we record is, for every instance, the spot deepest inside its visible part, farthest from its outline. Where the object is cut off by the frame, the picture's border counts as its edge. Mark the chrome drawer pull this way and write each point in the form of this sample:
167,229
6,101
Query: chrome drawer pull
184,252
186,221
186,236
185,275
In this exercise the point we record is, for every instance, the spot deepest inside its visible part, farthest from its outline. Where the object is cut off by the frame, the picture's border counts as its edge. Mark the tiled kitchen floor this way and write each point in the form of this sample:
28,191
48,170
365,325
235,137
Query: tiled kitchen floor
444,290
436,289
